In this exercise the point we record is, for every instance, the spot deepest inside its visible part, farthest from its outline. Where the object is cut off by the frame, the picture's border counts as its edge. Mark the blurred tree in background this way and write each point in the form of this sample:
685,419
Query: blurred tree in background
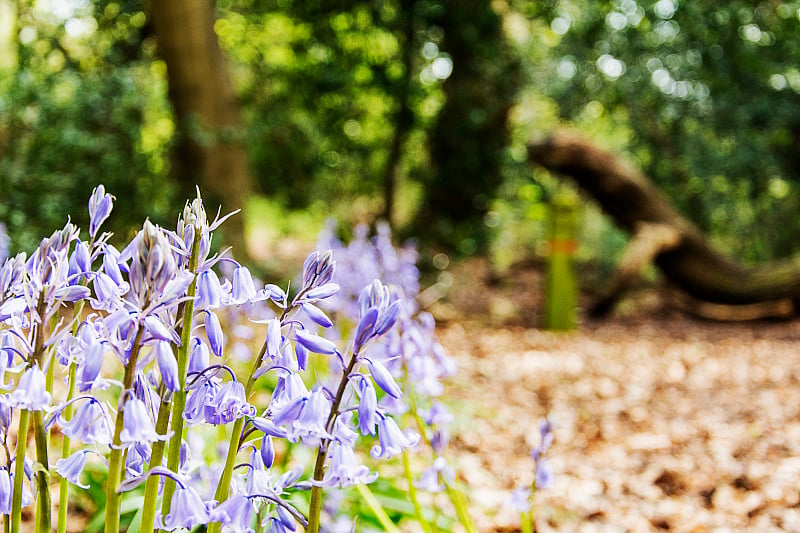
413,110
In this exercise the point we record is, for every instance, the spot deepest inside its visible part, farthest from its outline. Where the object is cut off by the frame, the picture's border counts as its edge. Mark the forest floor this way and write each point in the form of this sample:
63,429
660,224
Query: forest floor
662,422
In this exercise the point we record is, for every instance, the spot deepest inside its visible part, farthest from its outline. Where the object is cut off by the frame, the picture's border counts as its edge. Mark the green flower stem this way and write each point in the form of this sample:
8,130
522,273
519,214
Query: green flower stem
462,509
224,485
179,398
44,500
525,520
19,471
315,506
156,456
115,462
412,494
66,443
377,509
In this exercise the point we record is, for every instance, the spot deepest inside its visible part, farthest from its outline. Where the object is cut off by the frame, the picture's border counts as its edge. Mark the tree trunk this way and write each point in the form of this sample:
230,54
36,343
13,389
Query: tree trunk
209,149
692,264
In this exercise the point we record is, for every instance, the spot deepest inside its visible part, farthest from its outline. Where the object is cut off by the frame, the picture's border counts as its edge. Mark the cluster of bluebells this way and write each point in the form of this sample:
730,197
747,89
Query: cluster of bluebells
522,497
411,352
153,312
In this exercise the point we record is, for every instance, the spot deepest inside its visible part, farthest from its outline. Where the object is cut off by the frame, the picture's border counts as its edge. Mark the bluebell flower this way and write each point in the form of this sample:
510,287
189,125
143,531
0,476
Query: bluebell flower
344,470
228,404
89,424
136,457
199,398
167,365
544,475
209,291
315,343
199,358
100,205
243,289
436,476
384,379
137,425
235,514
521,499
111,267
310,424
216,339
187,510
5,492
70,468
316,314
30,393
391,441
365,328
156,329
368,416
267,450
89,370
79,263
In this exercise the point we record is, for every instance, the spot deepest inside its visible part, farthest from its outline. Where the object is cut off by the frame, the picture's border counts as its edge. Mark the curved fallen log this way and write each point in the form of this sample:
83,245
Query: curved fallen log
692,264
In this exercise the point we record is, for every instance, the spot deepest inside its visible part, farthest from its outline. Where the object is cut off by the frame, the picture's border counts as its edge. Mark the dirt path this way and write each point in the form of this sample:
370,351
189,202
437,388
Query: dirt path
667,424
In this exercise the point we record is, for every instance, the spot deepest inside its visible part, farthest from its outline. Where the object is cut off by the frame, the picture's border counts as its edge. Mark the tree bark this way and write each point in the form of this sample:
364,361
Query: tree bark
692,264
209,148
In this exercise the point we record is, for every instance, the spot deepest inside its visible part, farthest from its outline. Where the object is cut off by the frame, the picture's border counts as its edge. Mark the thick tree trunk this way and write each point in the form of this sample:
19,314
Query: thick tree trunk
209,151
692,264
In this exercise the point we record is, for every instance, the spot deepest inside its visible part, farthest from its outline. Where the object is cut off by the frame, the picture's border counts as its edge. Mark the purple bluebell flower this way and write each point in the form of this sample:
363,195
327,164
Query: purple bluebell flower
5,492
229,404
243,289
521,499
187,510
79,263
107,292
137,425
310,424
436,476
267,450
199,398
111,267
544,475
235,514
100,205
316,314
391,441
89,424
6,414
365,328
138,455
30,393
258,477
198,356
384,379
156,329
167,365
315,343
368,416
70,468
216,339
89,369
344,470
209,290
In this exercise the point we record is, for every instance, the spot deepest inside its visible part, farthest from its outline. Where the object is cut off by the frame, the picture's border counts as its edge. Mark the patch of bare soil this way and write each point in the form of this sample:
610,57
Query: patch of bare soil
662,422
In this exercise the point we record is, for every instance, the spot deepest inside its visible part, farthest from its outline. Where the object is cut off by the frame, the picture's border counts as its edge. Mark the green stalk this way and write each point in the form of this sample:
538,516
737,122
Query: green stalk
525,520
19,471
43,502
156,456
179,398
460,503
115,462
412,494
377,509
66,442
224,485
315,506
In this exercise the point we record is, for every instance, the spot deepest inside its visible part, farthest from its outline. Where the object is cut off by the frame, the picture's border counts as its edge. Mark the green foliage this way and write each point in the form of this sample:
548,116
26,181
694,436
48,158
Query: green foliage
709,95
81,106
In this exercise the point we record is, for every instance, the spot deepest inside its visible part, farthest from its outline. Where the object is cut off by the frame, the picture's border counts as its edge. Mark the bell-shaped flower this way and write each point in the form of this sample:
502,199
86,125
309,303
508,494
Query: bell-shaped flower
100,205
258,476
384,379
301,354
243,289
310,424
30,393
216,339
286,518
228,404
175,288
5,492
89,369
209,291
187,510
315,343
316,314
544,473
235,514
267,450
436,477
388,317
156,329
199,398
6,414
391,441
198,356
136,457
137,425
90,424
70,468
79,262
345,471
368,416
111,268
167,365
366,326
